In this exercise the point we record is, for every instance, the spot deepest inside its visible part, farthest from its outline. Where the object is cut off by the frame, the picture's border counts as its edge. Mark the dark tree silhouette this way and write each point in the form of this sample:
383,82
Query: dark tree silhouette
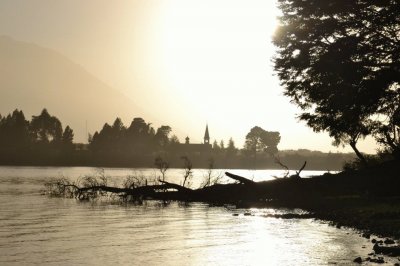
339,62
46,128
101,140
139,126
118,135
162,136
140,136
174,143
258,140
222,144
14,131
68,138
110,139
215,146
231,149
40,143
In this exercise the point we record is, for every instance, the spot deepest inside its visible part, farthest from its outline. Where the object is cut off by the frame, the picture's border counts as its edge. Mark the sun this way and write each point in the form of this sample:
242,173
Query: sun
217,51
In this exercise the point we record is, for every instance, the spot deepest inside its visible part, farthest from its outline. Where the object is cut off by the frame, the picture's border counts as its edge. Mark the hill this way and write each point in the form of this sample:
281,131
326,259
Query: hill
34,77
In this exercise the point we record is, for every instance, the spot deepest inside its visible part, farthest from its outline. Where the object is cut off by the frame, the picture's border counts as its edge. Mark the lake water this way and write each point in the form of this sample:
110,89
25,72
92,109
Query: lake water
38,230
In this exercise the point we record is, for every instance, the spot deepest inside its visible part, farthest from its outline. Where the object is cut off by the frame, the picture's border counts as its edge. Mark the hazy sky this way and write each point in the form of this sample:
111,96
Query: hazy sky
184,62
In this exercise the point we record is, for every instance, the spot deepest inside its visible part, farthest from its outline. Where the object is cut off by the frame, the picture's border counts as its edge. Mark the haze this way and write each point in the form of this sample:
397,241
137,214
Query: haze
180,63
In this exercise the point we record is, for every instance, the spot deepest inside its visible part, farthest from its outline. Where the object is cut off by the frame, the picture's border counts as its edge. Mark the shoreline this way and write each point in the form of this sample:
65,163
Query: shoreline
367,200
172,167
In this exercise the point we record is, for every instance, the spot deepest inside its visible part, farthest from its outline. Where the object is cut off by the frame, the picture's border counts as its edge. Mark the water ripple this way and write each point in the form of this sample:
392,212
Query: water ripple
37,230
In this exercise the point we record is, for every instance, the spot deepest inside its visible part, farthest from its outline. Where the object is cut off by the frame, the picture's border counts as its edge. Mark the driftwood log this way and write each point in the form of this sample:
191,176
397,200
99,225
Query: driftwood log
241,179
176,186
227,193
296,192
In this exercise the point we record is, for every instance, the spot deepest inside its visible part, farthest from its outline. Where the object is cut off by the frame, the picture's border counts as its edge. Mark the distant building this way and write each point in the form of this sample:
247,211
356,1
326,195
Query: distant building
199,148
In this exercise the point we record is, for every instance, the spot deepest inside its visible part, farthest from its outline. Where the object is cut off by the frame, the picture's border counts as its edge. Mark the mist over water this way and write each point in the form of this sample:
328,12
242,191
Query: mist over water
38,230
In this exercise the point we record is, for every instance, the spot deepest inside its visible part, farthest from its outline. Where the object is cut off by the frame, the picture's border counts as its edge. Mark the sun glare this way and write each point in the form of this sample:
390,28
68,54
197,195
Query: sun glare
218,51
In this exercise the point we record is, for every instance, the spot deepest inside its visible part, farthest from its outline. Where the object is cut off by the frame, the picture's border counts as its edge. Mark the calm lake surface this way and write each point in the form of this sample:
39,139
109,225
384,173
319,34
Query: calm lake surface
38,230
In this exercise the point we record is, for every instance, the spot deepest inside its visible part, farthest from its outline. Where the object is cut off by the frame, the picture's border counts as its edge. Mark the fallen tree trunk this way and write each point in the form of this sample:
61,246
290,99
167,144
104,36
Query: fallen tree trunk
284,190
241,179
166,191
176,186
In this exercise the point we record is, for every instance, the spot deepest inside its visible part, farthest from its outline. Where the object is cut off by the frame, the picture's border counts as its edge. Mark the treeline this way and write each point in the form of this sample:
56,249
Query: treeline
30,142
139,144
43,141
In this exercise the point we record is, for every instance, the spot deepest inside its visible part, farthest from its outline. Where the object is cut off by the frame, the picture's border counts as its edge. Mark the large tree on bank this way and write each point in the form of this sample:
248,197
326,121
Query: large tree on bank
339,61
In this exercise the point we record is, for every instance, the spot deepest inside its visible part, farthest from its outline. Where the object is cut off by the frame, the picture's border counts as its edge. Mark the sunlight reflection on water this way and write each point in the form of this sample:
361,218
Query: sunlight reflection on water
35,229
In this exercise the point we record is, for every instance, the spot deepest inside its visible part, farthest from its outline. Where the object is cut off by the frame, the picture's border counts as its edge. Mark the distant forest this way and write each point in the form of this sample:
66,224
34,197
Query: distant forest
44,141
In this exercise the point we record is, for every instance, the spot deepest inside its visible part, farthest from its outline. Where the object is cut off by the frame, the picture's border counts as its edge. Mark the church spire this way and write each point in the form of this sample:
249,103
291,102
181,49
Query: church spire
206,136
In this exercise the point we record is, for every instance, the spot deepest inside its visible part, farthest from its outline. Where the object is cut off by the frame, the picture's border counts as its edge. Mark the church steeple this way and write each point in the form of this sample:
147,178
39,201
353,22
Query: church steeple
206,136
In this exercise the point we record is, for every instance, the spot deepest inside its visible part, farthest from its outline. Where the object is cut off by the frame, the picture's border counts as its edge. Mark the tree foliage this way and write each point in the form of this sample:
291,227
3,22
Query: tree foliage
138,138
41,139
259,140
162,136
339,62
14,131
46,128
133,146
231,149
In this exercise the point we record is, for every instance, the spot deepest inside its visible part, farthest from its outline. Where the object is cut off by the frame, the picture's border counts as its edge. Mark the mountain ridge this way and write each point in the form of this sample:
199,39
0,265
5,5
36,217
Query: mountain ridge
33,77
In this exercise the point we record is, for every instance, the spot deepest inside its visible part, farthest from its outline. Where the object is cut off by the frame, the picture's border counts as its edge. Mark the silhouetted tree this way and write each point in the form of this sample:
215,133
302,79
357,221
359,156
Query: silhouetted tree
118,135
68,135
139,126
215,146
258,140
118,126
110,139
102,141
339,61
14,131
67,138
231,149
173,142
222,144
46,128
162,136
140,136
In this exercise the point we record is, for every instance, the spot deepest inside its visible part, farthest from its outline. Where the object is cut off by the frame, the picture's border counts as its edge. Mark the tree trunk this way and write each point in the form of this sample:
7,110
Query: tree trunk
358,153
241,179
176,186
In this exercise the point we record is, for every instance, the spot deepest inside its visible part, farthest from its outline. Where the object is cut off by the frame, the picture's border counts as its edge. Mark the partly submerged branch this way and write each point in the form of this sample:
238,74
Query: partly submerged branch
297,174
241,179
175,186
296,191
301,169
